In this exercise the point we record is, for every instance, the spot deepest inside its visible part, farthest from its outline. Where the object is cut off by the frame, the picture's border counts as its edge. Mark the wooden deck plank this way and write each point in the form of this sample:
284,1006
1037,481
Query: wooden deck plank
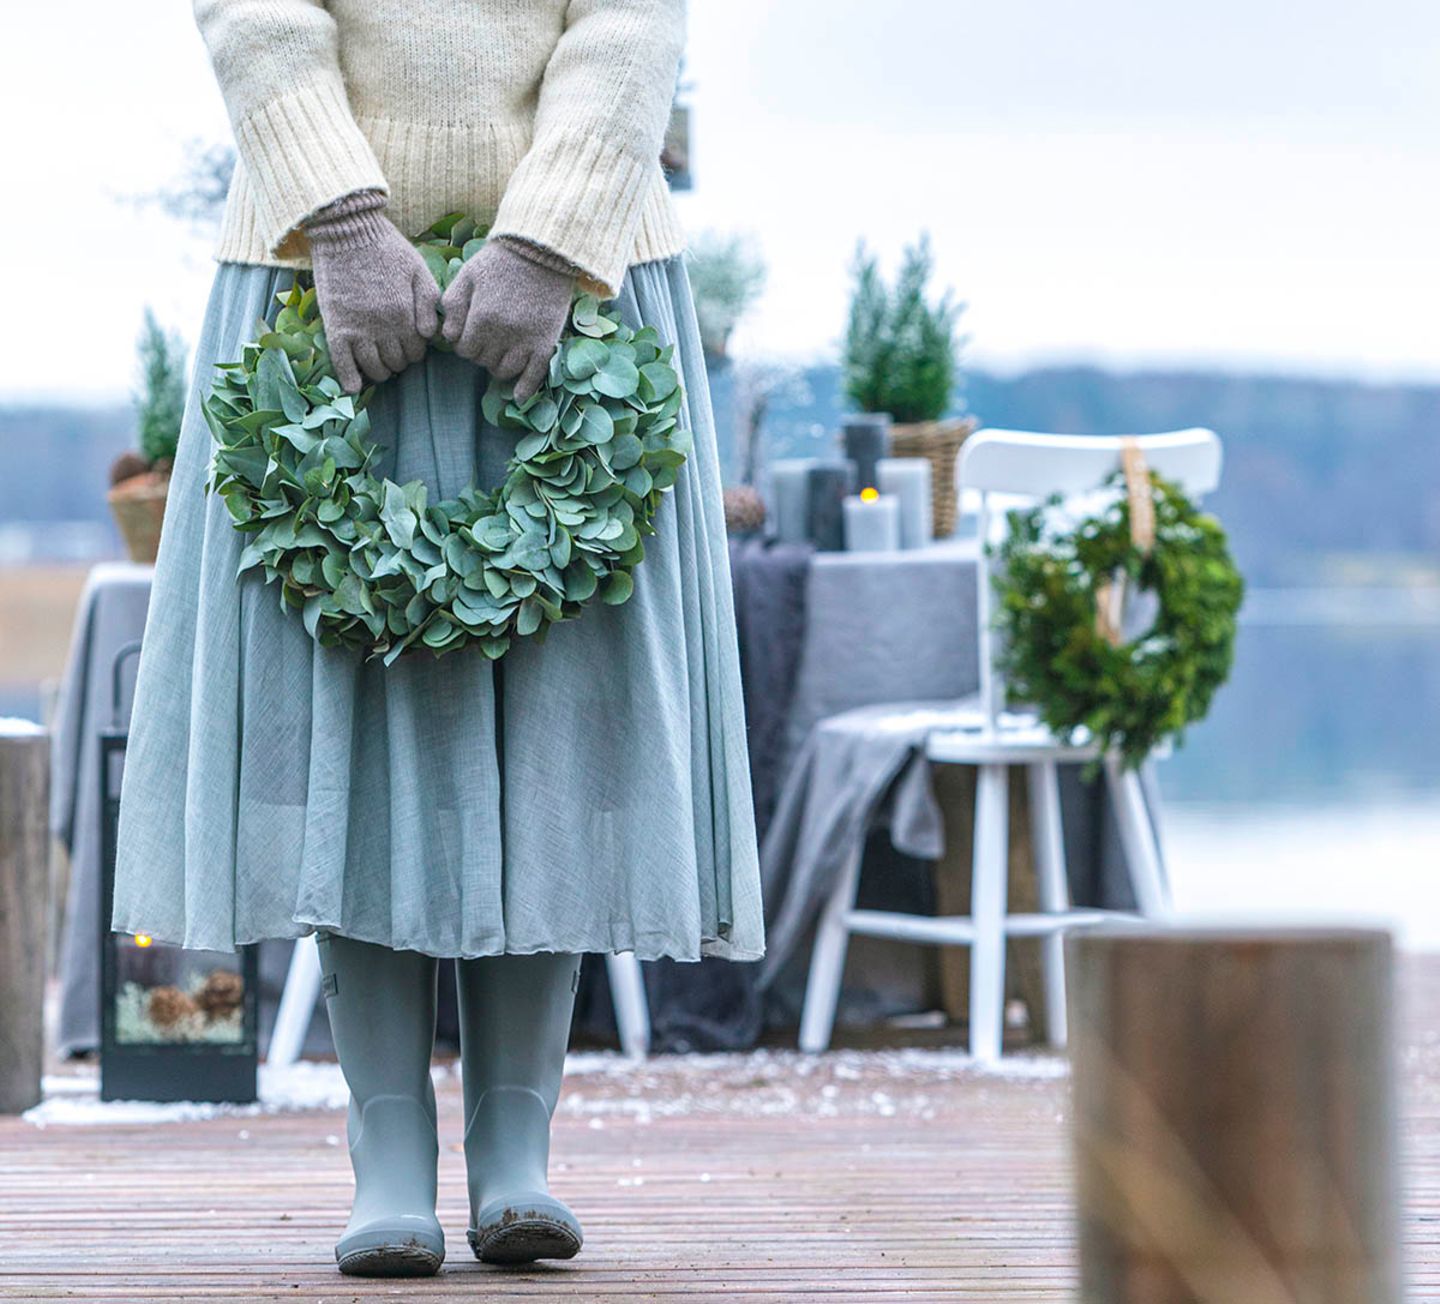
883,1178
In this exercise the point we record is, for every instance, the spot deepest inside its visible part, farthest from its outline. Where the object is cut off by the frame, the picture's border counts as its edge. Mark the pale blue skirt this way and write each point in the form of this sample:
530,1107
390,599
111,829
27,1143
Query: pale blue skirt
590,793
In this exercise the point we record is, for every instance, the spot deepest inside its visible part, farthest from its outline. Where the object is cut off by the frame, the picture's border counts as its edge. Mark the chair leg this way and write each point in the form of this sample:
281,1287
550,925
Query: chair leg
827,961
297,1004
1054,888
627,991
1137,837
1150,787
988,888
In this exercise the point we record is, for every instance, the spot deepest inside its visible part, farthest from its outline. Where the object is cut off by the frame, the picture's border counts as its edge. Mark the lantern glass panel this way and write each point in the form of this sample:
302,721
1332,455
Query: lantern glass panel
167,995
176,1024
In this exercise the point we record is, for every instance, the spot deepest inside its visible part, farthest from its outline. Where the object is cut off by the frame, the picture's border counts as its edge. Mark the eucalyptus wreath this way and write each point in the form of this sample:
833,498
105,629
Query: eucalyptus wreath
376,566
1129,696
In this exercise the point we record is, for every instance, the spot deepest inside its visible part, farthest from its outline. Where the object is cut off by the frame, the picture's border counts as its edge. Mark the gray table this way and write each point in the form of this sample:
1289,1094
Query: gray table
111,614
821,633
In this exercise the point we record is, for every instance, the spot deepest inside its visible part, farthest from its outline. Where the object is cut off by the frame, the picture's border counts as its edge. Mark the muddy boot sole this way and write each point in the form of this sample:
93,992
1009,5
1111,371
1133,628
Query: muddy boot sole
524,1232
389,1258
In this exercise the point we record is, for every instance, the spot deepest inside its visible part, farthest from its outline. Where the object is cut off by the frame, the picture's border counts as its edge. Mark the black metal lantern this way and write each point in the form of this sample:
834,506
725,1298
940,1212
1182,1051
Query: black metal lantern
175,1024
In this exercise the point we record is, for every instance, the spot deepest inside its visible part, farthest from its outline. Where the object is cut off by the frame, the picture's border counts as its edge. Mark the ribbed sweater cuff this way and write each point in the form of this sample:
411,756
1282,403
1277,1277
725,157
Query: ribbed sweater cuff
302,151
580,197
355,222
539,255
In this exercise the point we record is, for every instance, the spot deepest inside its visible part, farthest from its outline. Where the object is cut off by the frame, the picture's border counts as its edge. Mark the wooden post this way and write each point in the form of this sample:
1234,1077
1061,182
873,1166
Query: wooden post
1234,1116
24,870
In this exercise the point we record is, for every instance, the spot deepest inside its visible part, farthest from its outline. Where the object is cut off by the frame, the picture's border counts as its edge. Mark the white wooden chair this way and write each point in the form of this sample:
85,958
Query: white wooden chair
1011,465
302,989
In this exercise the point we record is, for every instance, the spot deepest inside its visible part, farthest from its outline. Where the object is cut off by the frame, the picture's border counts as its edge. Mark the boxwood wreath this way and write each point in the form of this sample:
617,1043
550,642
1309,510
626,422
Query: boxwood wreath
1058,655
376,566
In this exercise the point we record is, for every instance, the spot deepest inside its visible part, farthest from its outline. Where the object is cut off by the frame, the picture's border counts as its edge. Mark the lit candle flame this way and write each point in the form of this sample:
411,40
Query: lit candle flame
143,940
869,495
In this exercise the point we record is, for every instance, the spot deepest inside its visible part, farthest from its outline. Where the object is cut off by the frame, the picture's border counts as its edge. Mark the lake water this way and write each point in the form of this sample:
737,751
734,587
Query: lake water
1314,787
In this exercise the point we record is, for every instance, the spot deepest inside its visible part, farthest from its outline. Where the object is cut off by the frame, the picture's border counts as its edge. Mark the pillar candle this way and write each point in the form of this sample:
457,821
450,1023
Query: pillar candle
865,437
872,522
829,482
790,498
908,478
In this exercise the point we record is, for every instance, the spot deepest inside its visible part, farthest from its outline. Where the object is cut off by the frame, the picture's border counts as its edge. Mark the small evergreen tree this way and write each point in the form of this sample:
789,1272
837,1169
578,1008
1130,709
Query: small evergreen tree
160,400
901,350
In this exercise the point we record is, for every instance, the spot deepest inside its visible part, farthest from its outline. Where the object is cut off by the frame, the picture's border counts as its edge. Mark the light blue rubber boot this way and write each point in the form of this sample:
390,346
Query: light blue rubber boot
382,1016
514,1027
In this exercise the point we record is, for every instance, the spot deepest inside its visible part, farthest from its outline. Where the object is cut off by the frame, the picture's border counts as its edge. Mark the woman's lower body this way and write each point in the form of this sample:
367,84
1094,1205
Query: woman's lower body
590,794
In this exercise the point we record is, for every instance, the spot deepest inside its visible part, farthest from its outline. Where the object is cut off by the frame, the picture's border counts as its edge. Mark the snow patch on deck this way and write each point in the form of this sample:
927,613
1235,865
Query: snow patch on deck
604,1086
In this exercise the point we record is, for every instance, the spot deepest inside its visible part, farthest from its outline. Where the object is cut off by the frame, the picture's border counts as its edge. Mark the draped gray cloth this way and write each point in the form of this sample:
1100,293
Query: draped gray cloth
867,768
772,616
854,768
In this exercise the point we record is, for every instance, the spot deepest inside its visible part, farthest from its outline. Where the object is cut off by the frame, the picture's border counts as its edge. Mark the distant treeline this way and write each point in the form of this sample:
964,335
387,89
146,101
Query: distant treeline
1325,481
56,463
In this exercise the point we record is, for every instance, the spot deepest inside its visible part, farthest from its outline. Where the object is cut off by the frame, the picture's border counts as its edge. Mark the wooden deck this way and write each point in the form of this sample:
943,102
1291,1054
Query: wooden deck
890,1176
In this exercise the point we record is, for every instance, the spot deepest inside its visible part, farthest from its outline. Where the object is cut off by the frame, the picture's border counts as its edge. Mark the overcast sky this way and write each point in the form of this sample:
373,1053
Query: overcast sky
1254,183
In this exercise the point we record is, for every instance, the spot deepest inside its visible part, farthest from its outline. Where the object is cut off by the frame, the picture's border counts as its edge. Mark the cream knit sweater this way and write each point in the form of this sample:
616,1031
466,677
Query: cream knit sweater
544,116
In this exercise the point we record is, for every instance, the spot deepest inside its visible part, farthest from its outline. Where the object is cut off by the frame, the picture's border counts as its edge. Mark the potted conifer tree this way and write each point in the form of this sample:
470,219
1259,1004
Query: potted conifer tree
140,478
902,358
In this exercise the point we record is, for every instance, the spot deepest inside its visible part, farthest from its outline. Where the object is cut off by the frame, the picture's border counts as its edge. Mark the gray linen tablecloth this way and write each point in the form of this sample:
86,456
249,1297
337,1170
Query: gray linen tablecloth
111,614
885,627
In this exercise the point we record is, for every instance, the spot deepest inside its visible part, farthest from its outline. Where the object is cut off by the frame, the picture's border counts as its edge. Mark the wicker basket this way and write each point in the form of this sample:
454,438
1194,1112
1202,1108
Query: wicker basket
138,505
939,443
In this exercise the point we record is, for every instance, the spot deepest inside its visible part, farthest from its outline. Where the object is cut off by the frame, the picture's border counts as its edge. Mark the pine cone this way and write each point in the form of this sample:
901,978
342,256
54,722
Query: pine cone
126,467
221,994
168,1006
744,510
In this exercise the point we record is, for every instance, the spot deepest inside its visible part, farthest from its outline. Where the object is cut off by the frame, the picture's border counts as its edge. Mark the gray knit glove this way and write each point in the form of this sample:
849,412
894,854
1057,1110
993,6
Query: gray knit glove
506,308
377,298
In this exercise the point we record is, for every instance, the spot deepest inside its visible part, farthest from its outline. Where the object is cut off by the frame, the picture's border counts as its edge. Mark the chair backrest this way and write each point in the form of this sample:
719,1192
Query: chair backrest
1036,466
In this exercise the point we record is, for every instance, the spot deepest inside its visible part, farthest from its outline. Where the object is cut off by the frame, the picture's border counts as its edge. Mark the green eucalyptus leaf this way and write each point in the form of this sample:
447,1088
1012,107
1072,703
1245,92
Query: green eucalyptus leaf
597,426
584,357
618,589
618,378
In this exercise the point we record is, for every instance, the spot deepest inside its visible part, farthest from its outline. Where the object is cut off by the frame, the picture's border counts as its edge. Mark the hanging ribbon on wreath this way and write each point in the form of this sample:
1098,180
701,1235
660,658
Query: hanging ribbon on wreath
1110,594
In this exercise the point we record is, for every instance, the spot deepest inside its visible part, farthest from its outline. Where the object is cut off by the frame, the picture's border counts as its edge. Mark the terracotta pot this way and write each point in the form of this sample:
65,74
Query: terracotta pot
138,505
939,442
